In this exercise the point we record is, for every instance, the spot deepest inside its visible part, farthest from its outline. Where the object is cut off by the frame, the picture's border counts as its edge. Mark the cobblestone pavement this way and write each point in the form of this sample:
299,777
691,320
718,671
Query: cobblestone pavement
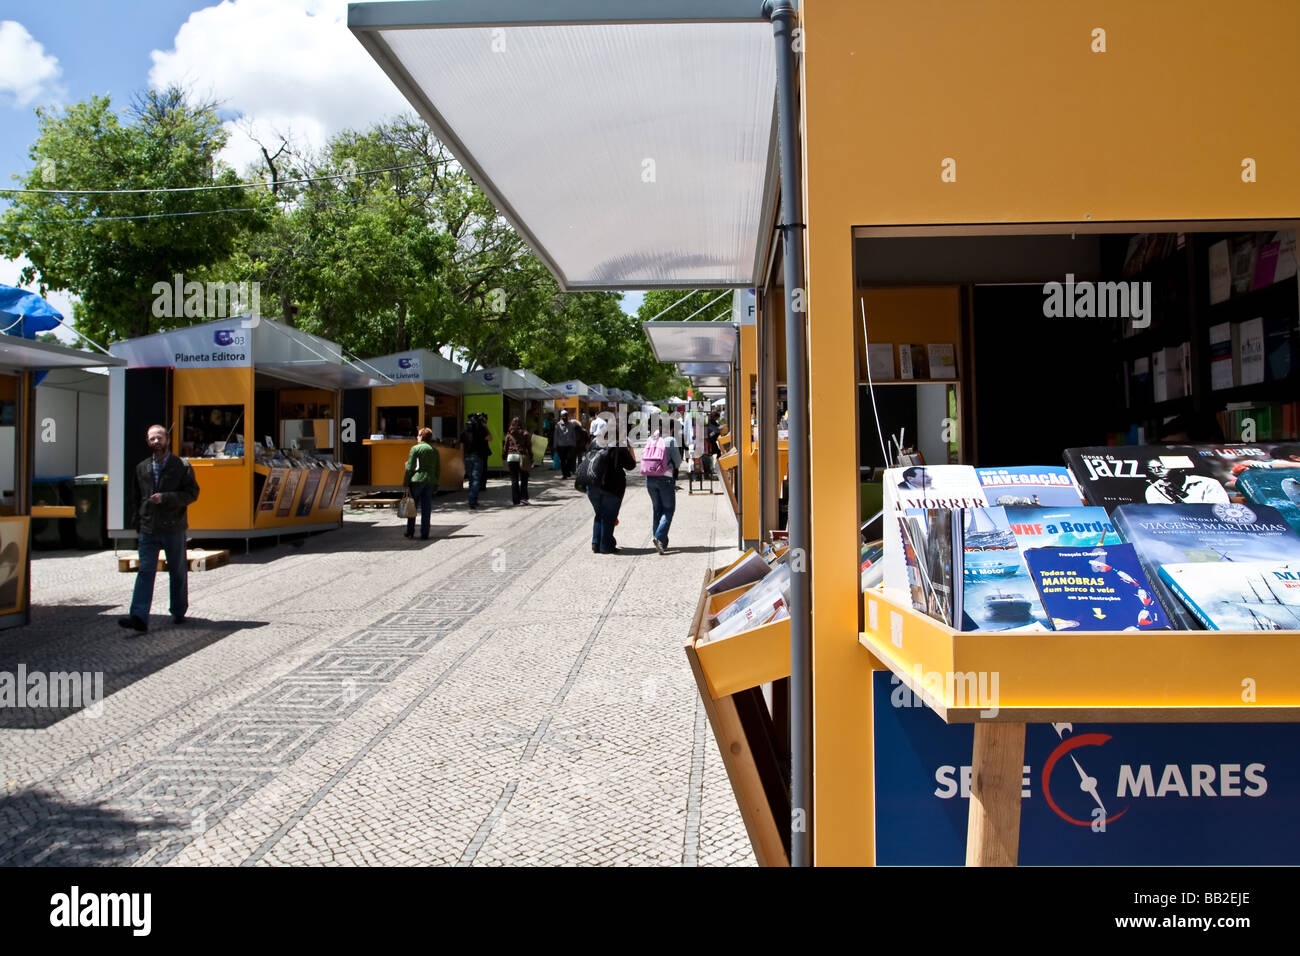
498,695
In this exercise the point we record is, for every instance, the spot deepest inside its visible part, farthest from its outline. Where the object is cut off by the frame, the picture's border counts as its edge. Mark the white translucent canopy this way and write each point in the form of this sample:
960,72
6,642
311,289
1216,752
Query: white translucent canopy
692,341
633,149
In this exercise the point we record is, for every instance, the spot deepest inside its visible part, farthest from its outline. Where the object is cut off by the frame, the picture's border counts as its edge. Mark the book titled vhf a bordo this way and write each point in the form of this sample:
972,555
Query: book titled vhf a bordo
1095,589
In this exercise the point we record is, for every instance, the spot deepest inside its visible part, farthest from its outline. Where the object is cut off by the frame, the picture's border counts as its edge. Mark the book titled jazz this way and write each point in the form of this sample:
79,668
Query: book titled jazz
1095,589
1238,596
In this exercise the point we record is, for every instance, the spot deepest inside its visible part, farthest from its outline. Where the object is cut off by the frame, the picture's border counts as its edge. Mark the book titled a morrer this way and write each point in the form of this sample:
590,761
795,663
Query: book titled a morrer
923,487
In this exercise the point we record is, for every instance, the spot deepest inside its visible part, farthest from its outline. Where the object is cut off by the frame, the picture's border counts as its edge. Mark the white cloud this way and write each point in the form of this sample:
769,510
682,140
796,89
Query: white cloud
27,72
286,66
9,269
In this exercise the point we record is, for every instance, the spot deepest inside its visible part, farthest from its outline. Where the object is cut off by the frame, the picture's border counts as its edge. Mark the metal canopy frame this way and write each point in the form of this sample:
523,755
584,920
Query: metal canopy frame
18,354
367,21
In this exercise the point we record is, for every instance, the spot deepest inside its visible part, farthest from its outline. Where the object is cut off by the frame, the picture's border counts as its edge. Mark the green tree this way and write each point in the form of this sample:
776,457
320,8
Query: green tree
110,249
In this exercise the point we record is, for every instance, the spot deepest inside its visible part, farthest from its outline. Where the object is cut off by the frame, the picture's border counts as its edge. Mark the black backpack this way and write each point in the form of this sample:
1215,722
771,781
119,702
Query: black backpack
591,469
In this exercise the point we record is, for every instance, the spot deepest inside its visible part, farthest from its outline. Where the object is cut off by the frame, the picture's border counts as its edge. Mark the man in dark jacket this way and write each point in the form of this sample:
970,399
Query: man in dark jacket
566,442
165,487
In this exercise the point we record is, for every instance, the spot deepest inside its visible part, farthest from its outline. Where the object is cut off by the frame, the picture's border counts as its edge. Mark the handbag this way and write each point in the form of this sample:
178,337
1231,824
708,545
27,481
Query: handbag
406,507
514,457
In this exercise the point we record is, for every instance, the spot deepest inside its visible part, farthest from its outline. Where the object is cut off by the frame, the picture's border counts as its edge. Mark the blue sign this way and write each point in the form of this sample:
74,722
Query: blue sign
403,363
1093,795
223,337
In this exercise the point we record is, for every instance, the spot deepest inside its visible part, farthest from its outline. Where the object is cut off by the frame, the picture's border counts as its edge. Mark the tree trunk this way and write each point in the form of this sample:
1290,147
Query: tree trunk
401,327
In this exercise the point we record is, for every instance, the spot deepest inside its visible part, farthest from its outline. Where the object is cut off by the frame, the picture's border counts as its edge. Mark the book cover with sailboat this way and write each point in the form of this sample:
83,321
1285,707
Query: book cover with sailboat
1184,534
998,593
1239,595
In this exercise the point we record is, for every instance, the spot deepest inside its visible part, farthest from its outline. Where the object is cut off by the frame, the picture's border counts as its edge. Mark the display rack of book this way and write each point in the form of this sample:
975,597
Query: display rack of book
1140,584
1214,341
739,644
728,467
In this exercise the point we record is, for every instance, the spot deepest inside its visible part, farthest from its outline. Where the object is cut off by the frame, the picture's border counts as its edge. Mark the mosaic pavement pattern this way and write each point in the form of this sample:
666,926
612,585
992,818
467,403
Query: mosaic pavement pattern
498,695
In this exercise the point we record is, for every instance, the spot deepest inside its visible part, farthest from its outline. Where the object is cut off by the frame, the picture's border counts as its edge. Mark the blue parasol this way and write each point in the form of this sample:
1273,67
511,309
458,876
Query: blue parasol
24,313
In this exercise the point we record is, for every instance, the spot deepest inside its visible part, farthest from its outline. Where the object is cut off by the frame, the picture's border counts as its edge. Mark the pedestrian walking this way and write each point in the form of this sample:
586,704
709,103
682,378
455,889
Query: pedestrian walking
475,443
606,492
659,462
584,435
518,449
165,488
566,442
423,469
712,432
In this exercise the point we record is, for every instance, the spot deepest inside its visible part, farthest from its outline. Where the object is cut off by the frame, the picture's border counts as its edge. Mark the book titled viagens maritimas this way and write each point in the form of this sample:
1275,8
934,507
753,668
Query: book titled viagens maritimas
924,487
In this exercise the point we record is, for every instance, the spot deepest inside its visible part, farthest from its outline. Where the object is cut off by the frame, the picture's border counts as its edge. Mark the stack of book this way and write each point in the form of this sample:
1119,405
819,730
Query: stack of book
766,577
1181,536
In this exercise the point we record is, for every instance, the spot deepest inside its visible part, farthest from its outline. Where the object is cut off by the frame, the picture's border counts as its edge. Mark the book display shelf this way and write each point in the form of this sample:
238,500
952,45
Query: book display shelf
1220,351
731,674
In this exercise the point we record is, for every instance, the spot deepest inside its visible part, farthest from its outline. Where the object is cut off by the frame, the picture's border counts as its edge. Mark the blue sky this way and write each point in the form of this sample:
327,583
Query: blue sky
61,51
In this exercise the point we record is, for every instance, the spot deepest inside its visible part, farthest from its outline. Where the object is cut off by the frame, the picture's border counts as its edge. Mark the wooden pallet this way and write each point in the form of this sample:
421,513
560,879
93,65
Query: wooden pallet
374,502
197,558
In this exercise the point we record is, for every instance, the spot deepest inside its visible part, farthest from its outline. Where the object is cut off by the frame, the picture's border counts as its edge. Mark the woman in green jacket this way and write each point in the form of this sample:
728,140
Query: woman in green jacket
423,467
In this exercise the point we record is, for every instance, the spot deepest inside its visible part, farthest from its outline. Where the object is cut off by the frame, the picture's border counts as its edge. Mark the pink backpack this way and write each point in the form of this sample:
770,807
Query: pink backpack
654,460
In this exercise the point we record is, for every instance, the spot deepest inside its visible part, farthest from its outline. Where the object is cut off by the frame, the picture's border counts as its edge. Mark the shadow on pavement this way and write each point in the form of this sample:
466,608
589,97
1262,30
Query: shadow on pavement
91,660
39,829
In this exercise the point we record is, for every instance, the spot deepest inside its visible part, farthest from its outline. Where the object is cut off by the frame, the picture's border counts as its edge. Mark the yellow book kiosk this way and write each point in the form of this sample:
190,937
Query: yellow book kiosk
426,393
254,406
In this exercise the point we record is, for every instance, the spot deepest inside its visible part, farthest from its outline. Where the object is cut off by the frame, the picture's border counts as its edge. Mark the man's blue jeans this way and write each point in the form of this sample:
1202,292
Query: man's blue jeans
663,499
474,473
172,544
606,508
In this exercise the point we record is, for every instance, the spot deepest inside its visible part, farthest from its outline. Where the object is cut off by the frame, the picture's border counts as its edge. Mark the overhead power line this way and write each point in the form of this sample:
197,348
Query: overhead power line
195,189
86,220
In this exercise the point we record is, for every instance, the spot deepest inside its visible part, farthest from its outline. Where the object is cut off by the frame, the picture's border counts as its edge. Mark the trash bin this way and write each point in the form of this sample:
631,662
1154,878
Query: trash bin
90,498
51,533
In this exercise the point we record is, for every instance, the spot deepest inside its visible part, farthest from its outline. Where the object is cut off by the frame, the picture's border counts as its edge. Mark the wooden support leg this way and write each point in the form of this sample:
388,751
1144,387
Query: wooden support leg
997,769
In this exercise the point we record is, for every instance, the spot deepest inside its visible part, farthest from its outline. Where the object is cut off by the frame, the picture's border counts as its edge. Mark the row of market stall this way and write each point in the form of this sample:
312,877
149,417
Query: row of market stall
279,425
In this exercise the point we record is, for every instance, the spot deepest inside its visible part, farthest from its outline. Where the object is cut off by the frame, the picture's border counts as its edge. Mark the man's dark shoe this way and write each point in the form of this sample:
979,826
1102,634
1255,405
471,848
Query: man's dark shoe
178,618
133,623
595,549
